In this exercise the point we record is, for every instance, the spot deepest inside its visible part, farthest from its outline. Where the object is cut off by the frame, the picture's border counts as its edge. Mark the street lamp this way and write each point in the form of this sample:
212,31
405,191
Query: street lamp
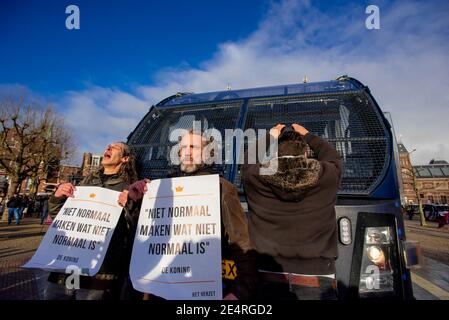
415,187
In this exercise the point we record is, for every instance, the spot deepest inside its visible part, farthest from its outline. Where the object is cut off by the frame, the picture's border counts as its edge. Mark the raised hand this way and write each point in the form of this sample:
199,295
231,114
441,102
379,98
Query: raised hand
65,189
276,130
300,129
123,198
137,189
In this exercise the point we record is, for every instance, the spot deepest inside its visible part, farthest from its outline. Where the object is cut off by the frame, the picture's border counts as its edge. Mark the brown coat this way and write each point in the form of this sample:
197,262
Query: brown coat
236,244
292,219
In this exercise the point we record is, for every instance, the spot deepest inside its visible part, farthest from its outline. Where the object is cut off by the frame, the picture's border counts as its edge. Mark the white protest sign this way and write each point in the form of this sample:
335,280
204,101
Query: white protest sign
177,248
80,234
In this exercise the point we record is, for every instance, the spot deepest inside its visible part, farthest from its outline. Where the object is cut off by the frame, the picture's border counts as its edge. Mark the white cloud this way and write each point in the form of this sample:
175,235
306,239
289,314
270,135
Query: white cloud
100,116
405,64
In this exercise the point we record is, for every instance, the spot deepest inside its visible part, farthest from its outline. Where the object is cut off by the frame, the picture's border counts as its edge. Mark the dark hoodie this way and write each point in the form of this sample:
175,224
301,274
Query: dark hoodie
292,220
14,202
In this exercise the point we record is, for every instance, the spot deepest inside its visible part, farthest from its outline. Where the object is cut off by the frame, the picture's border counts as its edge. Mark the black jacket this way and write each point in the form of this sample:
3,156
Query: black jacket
14,202
292,219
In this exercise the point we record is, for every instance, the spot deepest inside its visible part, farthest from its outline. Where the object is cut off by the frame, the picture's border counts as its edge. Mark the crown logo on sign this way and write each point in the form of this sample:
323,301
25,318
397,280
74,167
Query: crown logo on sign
179,189
92,195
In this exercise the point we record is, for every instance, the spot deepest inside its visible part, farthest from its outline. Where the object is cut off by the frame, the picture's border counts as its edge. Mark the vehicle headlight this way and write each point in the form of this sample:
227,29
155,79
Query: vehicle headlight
376,255
377,269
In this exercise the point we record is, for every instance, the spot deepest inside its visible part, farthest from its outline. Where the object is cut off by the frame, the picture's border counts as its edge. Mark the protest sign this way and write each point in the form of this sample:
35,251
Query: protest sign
80,234
177,248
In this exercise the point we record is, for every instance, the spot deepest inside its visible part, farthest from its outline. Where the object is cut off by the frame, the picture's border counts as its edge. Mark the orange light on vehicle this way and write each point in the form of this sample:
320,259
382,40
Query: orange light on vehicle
376,255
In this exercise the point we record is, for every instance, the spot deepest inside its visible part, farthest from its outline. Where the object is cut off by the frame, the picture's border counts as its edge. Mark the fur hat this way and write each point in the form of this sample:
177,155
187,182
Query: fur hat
294,173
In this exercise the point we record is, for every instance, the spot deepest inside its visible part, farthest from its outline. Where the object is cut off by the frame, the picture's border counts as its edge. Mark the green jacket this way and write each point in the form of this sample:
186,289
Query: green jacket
95,179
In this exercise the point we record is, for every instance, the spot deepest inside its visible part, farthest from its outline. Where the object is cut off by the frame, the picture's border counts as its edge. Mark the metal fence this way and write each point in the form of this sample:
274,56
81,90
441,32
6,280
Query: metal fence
348,120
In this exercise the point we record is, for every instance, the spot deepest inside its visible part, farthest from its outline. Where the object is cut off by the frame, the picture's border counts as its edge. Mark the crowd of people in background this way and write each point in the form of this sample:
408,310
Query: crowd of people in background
432,212
20,206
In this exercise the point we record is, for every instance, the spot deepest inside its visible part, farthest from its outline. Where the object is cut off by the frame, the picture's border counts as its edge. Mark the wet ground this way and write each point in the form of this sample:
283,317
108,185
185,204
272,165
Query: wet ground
431,281
18,243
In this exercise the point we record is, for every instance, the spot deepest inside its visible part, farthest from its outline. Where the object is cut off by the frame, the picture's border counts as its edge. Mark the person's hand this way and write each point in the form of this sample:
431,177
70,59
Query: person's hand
276,130
300,129
123,198
65,189
230,296
137,189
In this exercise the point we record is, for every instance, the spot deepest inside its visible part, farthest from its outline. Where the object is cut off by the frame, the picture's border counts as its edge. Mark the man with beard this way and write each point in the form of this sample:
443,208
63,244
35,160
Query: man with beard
236,247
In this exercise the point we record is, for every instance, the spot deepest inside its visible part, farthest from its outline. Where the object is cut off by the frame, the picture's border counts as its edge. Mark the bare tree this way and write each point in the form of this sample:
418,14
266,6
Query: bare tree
31,139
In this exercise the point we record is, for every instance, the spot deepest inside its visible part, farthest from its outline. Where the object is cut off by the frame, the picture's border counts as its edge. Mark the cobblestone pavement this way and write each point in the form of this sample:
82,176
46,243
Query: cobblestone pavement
431,281
434,241
18,243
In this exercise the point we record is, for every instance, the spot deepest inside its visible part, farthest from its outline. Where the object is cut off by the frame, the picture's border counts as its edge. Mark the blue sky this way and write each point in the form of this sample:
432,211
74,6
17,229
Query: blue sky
129,55
119,42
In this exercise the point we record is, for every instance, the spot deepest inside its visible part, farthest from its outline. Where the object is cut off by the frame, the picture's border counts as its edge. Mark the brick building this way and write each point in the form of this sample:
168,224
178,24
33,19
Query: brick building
90,163
432,180
55,174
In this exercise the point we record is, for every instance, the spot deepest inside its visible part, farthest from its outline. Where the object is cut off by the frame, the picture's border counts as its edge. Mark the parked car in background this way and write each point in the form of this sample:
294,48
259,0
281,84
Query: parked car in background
432,212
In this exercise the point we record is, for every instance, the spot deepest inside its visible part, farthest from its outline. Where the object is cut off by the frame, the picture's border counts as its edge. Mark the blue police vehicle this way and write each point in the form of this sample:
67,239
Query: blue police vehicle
372,249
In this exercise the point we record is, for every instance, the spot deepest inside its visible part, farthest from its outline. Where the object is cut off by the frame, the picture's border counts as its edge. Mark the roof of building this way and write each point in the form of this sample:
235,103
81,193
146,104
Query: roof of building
435,169
433,161
402,148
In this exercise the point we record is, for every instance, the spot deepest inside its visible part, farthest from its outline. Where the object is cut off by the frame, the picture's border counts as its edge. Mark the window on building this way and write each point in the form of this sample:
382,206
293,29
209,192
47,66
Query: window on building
28,184
430,198
421,195
423,172
436,172
444,199
445,171
96,161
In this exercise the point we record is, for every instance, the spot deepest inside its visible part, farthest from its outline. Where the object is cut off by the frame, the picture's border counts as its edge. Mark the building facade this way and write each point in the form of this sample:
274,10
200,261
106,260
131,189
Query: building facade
91,162
431,180
55,174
